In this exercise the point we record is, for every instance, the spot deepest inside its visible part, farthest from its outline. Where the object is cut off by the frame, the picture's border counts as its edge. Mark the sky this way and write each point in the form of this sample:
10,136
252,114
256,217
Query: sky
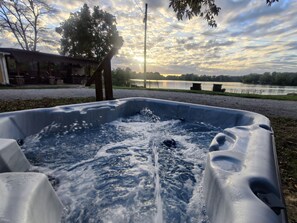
250,38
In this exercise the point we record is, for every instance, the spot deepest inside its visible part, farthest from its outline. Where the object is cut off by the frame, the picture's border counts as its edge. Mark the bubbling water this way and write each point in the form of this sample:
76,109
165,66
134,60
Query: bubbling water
136,169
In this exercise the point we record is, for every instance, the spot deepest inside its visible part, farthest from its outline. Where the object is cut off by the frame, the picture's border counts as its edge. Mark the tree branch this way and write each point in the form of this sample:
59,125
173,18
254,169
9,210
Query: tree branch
22,17
9,24
19,19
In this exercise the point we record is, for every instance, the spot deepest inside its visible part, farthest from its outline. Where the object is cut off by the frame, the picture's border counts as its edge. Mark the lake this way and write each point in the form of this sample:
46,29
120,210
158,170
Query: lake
232,87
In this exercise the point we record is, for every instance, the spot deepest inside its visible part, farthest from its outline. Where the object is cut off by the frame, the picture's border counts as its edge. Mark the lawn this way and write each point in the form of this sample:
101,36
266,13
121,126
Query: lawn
285,137
286,144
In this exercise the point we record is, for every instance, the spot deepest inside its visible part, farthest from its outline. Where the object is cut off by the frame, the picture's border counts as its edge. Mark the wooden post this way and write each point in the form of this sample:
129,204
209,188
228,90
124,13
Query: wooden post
8,68
145,30
108,80
17,66
38,73
98,86
104,66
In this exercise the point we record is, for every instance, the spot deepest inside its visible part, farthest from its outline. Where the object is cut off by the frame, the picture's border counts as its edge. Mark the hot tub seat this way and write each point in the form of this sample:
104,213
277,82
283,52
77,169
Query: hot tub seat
28,198
12,159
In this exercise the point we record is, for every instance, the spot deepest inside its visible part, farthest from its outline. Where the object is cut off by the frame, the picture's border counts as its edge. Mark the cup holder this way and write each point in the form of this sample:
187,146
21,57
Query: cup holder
267,194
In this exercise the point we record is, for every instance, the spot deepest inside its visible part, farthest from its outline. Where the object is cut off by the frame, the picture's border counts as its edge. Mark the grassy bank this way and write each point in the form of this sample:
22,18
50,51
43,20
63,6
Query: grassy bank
285,138
41,86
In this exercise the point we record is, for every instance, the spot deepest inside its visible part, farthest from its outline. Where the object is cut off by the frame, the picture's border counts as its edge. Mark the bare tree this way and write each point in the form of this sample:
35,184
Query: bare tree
23,19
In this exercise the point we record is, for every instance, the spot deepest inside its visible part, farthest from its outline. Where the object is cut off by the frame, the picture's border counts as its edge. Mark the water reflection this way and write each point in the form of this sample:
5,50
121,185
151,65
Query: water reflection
232,87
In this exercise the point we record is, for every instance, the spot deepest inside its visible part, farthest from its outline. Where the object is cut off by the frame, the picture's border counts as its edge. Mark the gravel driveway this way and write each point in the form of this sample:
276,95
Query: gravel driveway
266,107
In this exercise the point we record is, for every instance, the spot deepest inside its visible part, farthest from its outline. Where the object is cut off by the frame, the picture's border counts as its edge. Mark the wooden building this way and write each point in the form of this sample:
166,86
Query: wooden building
20,67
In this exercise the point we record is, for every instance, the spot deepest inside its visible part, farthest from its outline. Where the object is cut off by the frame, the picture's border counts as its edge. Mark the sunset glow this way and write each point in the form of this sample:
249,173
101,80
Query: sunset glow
250,37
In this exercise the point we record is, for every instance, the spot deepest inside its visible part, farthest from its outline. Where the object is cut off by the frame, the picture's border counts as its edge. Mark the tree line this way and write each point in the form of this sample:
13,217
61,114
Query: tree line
122,77
274,78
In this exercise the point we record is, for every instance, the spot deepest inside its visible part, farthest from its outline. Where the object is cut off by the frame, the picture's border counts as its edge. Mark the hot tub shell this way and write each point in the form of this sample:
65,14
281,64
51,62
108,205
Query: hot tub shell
241,180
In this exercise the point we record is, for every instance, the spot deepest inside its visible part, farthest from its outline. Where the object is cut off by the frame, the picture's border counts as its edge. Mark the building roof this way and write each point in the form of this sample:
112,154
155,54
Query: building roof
28,56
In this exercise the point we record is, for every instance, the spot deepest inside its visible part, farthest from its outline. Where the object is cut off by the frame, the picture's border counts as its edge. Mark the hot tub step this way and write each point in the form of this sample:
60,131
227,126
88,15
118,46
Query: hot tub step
12,158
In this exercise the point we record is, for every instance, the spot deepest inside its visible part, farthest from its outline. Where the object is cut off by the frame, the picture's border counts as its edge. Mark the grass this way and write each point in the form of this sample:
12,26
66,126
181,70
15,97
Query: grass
285,138
40,86
286,144
291,97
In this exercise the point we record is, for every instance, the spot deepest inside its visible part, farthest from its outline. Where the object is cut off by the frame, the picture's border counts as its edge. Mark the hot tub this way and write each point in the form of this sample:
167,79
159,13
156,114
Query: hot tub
240,175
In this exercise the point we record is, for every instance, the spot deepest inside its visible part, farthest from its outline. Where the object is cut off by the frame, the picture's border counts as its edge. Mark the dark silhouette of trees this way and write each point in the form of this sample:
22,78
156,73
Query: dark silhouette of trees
275,78
269,2
23,19
149,76
121,77
89,35
206,9
194,77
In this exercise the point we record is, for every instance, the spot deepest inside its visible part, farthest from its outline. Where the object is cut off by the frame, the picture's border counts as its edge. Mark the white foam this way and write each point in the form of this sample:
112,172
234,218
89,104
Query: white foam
158,200
139,155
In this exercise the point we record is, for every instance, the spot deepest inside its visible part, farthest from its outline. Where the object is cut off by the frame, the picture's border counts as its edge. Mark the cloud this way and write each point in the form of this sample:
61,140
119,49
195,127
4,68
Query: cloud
176,26
251,37
292,46
216,43
156,3
259,10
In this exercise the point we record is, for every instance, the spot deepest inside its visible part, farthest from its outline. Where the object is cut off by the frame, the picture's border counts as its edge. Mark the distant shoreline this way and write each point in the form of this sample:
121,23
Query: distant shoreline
184,80
195,81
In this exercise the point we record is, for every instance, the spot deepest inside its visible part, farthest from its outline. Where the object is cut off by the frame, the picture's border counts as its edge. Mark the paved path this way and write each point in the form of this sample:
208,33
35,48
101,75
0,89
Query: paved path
267,107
